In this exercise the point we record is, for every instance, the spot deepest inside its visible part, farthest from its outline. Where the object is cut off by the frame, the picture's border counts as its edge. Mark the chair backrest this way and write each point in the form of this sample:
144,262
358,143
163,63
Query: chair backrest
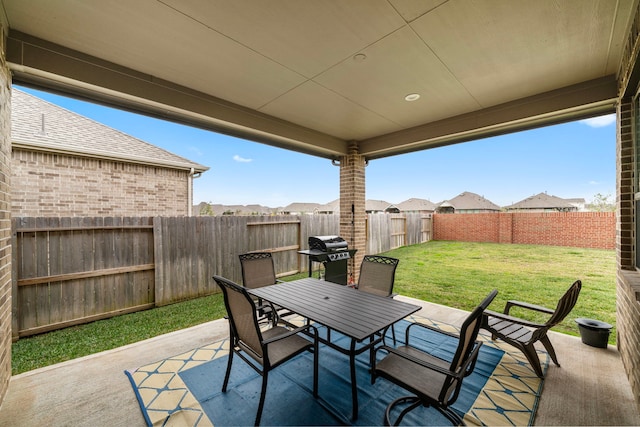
257,269
377,274
468,335
565,304
242,317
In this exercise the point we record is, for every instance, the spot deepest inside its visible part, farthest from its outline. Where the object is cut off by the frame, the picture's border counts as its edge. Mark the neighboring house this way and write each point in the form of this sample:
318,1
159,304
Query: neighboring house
413,205
579,203
544,202
217,210
380,206
301,209
64,164
330,208
467,203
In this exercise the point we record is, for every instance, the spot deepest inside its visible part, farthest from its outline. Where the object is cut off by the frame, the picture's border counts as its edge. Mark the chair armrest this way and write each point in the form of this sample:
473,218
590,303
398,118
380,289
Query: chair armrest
512,319
420,362
460,373
465,369
290,333
431,328
512,303
268,306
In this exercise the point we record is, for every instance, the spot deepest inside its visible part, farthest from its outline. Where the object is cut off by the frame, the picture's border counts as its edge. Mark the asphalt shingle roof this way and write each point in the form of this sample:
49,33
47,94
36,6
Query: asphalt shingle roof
470,201
542,201
36,123
377,205
416,205
301,207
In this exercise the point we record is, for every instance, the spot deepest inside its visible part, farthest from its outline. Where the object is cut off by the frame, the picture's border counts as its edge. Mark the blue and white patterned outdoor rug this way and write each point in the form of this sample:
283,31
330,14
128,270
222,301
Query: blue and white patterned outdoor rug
185,390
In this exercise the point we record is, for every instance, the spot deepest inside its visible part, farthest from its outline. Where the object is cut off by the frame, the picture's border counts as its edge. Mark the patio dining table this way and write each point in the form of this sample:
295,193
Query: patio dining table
361,316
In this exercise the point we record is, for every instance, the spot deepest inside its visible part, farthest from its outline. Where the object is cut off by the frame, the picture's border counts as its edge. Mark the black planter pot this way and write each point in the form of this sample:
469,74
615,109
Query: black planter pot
594,332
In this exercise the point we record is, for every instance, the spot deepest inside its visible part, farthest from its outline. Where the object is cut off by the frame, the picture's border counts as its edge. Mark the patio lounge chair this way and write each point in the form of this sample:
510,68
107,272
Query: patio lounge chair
377,276
265,349
523,334
433,381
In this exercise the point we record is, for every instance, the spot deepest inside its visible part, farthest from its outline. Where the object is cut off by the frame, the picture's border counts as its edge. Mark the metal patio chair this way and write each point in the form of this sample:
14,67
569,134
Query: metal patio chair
377,276
523,334
257,271
433,381
264,349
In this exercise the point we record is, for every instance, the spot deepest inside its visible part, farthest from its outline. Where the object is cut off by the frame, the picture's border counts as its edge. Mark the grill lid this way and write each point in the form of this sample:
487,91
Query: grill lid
327,243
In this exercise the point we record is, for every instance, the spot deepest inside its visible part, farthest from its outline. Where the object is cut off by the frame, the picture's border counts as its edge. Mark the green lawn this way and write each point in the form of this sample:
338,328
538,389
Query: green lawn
459,274
456,274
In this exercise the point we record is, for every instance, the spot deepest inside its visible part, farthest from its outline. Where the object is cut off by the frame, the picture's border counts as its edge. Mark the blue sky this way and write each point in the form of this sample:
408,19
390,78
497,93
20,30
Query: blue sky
571,160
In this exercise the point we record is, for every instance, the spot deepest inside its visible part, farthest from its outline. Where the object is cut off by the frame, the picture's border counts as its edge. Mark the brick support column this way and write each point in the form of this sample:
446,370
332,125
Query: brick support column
353,217
625,166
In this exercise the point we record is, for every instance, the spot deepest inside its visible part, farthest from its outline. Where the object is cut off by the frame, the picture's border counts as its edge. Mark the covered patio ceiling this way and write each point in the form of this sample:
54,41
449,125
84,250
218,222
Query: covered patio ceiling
313,75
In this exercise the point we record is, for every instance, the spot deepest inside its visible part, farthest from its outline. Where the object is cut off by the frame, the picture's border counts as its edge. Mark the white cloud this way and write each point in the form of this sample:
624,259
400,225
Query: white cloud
196,151
598,122
241,159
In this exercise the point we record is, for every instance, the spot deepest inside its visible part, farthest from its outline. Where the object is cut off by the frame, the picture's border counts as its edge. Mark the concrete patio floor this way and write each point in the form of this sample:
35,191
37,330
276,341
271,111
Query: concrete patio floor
590,388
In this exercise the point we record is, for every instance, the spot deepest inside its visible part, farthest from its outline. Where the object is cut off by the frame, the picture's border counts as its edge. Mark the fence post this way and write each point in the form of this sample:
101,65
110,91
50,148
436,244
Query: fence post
158,260
15,297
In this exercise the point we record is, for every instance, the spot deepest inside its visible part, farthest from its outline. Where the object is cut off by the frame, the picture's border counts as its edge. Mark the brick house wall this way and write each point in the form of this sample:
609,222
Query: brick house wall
576,229
5,217
628,280
56,185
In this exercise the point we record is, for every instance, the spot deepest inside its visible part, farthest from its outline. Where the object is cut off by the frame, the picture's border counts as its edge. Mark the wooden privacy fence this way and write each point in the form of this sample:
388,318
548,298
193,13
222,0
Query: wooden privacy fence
390,231
73,270
68,271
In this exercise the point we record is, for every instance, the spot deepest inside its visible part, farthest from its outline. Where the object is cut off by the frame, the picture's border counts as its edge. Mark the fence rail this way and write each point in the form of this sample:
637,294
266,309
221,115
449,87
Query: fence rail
69,271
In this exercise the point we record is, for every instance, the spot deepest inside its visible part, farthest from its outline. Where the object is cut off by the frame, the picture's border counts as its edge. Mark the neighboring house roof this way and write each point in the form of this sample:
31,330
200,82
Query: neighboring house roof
38,124
331,207
218,209
378,206
302,208
542,201
470,201
416,205
579,203
576,200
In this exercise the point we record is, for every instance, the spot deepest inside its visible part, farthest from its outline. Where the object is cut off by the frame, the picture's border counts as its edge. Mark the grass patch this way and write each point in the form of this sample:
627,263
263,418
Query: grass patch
455,274
459,274
77,341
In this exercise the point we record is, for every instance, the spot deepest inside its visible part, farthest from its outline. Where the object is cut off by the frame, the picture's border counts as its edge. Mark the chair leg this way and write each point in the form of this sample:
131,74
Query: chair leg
226,376
316,351
415,402
452,416
263,392
532,356
547,345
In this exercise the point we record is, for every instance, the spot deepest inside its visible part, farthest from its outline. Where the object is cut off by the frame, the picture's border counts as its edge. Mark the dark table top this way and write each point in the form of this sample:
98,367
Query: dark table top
354,313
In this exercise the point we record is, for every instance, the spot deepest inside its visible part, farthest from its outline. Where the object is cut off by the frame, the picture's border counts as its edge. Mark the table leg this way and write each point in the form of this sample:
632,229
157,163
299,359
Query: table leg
354,385
371,353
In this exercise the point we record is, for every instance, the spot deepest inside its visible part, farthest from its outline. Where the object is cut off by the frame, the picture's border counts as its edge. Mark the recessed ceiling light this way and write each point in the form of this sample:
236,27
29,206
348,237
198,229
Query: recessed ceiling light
412,97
